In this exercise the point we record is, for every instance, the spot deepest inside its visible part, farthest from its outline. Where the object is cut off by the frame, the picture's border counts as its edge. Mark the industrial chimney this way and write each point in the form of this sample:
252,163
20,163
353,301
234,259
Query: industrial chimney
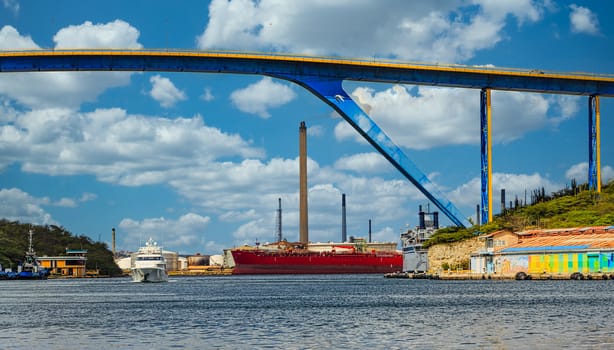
344,236
113,240
303,221
503,200
279,236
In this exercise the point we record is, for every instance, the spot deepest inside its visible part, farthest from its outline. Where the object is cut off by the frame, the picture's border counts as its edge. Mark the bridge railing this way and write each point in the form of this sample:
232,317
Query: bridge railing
364,61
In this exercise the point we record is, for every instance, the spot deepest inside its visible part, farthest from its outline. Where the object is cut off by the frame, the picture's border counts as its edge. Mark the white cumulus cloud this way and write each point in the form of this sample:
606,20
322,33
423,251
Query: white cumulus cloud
114,146
17,205
579,172
10,39
517,186
66,202
164,91
583,20
427,117
207,95
431,31
74,202
111,35
364,163
87,196
259,97
12,5
70,89
188,230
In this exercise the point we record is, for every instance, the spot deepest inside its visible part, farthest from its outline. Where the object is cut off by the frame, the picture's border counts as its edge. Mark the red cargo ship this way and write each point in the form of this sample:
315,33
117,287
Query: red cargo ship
283,257
260,261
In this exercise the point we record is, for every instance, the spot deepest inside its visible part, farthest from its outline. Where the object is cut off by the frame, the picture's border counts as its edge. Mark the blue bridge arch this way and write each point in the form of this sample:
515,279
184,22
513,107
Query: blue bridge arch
324,76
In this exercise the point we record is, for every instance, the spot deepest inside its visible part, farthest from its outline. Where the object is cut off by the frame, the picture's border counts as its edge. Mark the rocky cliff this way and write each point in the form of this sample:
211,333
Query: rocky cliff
452,255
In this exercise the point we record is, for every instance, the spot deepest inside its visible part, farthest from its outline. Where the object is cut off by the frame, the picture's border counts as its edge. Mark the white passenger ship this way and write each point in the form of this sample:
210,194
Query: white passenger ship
149,264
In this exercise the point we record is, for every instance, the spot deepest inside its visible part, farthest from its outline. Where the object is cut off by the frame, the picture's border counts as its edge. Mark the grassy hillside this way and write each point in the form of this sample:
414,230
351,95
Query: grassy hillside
570,207
51,241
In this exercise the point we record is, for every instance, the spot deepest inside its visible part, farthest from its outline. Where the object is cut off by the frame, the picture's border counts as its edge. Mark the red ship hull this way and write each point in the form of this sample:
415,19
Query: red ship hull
263,262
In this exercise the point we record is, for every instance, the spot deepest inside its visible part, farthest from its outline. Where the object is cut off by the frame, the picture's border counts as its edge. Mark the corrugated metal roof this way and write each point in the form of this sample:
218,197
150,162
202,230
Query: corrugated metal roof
597,237
565,230
546,248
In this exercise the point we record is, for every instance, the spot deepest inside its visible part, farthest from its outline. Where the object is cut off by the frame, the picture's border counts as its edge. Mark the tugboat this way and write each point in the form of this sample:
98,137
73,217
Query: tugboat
30,268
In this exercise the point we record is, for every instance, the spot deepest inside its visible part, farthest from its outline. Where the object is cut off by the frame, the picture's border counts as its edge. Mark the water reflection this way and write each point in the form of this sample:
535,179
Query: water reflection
306,312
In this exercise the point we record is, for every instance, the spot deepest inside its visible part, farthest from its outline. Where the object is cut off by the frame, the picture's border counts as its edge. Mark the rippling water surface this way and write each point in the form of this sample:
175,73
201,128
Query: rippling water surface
306,312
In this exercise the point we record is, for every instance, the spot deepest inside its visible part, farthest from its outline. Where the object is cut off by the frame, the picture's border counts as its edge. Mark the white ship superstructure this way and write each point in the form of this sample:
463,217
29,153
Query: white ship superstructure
415,258
149,264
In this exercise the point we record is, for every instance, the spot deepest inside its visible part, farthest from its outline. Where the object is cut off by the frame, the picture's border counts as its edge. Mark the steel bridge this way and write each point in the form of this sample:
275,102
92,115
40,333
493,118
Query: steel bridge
324,76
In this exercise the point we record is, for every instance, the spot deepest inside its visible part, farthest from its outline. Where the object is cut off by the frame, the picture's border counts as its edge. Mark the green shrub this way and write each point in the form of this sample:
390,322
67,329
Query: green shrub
576,208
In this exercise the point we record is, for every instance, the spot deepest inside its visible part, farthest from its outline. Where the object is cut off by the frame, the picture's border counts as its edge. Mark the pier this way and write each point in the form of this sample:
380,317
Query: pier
494,276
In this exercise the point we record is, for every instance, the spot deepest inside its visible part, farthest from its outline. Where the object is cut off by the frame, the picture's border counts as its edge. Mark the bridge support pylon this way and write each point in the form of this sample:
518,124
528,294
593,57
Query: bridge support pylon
594,144
486,155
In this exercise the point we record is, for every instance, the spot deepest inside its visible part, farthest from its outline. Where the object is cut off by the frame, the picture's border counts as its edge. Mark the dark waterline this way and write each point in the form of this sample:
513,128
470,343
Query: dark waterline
306,312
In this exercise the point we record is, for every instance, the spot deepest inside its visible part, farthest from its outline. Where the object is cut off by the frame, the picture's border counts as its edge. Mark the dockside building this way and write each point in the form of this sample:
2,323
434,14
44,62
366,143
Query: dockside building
586,250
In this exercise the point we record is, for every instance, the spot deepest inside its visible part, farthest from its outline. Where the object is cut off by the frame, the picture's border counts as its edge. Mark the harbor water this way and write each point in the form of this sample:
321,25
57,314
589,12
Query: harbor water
306,312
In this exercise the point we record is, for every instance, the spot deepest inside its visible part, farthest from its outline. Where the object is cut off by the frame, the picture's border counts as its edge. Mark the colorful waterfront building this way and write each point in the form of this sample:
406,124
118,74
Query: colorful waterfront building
587,250
484,260
72,264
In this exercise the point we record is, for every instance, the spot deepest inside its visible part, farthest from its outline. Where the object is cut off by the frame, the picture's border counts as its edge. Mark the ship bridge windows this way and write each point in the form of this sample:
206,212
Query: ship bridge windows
149,258
74,262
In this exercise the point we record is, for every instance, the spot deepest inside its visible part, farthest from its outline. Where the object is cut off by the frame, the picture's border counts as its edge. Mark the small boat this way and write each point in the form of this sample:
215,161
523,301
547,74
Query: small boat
149,264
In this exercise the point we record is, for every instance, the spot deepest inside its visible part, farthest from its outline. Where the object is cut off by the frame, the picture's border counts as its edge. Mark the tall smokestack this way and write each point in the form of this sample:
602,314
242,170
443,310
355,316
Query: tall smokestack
344,236
113,240
421,222
369,230
279,236
503,200
303,221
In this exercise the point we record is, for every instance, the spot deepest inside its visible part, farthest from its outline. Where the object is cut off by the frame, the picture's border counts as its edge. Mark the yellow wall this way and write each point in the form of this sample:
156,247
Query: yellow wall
62,268
572,262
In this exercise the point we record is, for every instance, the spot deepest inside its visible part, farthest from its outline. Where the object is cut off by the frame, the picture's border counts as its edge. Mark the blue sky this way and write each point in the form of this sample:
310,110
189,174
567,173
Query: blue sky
197,161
